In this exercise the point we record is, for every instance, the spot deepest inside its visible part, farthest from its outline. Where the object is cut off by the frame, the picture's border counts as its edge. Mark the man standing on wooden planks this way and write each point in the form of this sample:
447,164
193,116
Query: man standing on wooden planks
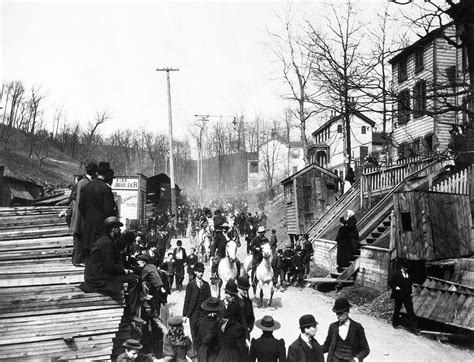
77,221
96,204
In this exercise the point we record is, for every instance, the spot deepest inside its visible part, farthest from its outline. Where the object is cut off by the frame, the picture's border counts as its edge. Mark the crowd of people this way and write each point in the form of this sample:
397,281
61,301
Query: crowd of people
151,268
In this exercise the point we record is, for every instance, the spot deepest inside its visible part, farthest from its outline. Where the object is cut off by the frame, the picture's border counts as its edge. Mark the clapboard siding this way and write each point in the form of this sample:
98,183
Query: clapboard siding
374,266
325,254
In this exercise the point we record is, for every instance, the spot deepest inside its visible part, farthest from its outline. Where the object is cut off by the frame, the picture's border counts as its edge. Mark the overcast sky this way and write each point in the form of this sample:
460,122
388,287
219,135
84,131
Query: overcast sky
97,56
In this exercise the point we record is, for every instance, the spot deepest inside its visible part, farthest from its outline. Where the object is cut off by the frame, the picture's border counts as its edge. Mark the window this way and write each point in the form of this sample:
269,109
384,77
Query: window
295,153
253,167
416,147
363,130
295,169
364,152
406,221
419,60
339,128
402,70
403,106
428,143
465,63
419,98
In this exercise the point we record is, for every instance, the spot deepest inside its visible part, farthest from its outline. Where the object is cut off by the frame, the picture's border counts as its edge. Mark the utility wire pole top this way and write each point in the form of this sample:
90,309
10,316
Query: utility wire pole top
167,69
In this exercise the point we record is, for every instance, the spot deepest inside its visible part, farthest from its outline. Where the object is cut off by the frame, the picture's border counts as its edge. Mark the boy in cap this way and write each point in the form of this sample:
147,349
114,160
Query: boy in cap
278,270
346,339
306,347
297,267
267,348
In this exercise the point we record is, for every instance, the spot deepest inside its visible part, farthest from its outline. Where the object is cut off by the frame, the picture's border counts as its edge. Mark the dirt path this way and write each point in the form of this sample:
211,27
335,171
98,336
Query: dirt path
386,343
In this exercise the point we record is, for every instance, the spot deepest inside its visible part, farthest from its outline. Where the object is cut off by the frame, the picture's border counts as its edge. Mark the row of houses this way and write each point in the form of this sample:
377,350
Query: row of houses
428,77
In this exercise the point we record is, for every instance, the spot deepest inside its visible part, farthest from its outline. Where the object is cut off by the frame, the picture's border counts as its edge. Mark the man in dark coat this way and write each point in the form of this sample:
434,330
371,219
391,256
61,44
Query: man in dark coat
308,253
344,246
197,291
96,204
206,339
255,247
248,316
401,283
104,272
217,249
179,255
79,255
267,348
346,338
306,348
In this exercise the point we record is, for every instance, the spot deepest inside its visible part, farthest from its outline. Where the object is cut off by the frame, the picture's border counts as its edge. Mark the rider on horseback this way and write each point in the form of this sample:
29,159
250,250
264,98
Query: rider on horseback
217,250
255,248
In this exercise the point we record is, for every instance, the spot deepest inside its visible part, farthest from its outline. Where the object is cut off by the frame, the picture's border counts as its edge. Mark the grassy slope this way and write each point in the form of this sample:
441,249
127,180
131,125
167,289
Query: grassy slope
57,170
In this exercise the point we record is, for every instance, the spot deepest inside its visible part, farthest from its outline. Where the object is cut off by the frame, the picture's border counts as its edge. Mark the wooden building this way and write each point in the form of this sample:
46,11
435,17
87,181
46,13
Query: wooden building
17,191
158,192
431,225
424,79
308,195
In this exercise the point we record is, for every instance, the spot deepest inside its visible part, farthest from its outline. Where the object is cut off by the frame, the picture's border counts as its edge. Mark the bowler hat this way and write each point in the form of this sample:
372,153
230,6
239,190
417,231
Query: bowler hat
179,243
92,166
112,220
307,320
243,283
341,305
144,257
132,344
267,323
104,168
199,267
175,321
231,287
212,304
261,229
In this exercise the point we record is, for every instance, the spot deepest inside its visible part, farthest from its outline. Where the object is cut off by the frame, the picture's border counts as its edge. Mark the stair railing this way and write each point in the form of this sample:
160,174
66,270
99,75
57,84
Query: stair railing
459,183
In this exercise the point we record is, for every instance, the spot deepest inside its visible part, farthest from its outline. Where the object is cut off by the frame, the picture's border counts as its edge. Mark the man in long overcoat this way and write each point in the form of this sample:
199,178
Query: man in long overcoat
79,252
97,203
197,291
104,273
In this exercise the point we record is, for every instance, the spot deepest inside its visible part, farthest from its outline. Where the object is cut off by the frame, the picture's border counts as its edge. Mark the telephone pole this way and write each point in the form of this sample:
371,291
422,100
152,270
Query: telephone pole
170,135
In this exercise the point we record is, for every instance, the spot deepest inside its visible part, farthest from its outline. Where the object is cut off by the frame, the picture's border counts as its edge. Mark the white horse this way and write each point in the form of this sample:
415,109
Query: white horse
227,268
263,273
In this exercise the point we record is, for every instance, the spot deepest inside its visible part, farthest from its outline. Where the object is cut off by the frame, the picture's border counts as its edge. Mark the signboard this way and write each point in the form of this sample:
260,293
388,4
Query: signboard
128,192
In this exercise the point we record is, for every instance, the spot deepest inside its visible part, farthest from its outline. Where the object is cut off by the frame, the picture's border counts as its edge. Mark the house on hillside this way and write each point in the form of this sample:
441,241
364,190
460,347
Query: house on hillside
308,194
328,148
424,79
277,159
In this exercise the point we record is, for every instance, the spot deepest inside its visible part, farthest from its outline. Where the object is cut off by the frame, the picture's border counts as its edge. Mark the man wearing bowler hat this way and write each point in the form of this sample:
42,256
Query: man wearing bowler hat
77,220
97,203
104,272
346,339
267,348
248,316
197,291
306,348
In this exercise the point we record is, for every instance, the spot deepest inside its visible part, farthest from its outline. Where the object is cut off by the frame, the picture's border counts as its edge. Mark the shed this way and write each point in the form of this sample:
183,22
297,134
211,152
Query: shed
308,193
159,192
130,195
17,190
431,225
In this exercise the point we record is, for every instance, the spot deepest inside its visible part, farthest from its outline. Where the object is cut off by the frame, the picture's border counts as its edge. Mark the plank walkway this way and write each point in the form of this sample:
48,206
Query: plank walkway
43,313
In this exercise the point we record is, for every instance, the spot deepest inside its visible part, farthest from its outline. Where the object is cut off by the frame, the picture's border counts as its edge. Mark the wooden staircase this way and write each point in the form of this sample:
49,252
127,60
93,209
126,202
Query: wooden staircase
43,315
445,302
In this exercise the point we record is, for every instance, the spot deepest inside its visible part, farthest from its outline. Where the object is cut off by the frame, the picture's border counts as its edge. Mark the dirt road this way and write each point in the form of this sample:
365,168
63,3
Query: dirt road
386,343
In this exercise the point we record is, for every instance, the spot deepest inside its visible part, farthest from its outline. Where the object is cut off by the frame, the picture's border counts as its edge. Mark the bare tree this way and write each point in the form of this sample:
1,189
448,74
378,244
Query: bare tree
339,66
90,138
41,147
220,148
297,64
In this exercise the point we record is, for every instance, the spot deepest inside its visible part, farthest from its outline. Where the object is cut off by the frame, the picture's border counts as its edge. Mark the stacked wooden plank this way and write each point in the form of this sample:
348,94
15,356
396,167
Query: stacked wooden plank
43,313
445,302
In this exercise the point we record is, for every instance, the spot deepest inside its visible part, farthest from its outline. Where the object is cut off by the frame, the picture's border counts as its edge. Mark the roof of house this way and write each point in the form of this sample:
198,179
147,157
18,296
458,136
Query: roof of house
419,43
339,116
306,169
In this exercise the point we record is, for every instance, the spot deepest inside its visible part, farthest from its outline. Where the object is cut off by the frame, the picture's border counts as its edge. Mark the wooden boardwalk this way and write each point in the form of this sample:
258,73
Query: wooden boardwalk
43,314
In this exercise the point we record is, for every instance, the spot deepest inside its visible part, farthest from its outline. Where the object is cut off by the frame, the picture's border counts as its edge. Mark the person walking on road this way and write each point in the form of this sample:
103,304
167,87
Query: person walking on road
306,348
401,283
346,339
248,316
197,291
207,342
267,348
179,255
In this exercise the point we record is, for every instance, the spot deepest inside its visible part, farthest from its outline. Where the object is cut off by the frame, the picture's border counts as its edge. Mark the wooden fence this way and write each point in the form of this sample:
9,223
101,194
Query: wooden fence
459,183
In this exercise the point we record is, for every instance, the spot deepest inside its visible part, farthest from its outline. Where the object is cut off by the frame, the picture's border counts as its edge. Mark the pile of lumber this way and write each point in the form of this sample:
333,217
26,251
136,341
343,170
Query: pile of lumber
43,313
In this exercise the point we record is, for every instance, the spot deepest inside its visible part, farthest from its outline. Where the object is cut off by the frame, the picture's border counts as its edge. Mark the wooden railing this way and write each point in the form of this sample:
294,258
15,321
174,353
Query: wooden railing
335,211
459,183
380,180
